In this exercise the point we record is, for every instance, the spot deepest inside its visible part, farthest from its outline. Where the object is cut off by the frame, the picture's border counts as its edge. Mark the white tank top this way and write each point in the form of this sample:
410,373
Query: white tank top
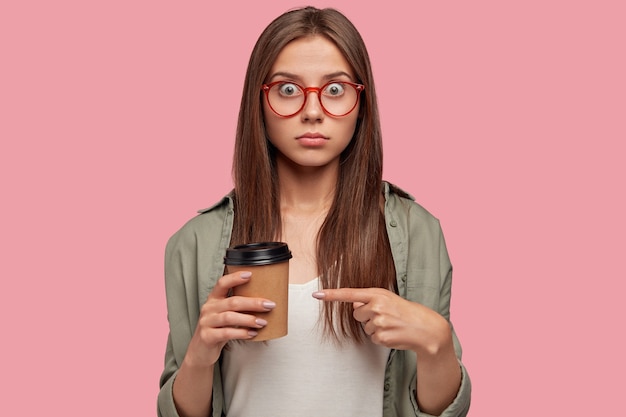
302,374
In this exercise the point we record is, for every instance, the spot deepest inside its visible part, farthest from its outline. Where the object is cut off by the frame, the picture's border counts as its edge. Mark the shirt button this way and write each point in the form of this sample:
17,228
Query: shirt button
393,223
404,278
386,386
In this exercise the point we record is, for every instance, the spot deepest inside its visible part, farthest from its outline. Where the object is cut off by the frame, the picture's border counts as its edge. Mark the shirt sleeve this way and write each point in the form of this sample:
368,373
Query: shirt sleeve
181,321
461,404
424,276
193,264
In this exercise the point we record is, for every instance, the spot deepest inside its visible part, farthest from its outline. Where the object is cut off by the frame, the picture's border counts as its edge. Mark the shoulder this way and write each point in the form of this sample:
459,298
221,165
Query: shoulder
207,220
401,204
225,202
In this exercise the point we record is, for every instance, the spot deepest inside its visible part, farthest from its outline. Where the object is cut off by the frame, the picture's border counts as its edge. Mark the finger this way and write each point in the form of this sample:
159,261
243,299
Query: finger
347,295
226,282
361,314
235,320
368,328
250,304
225,334
215,306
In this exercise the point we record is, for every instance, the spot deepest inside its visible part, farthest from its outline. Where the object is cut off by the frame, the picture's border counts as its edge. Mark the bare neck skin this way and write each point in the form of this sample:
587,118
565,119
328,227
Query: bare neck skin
306,194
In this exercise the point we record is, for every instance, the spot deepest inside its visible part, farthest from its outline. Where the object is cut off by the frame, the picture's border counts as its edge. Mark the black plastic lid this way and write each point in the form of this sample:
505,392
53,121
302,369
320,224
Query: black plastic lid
262,253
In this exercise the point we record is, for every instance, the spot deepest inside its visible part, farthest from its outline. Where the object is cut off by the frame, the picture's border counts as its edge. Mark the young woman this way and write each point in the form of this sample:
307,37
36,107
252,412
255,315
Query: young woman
370,278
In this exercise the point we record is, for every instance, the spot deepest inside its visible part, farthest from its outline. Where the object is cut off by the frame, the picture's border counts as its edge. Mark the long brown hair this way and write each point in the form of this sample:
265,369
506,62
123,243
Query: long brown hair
352,244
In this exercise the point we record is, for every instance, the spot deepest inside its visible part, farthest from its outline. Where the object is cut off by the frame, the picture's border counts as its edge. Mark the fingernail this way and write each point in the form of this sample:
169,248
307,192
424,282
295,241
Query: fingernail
261,322
269,304
319,295
245,275
252,333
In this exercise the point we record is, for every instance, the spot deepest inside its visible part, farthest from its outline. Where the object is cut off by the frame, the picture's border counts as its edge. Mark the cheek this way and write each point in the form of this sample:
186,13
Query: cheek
279,130
271,124
350,127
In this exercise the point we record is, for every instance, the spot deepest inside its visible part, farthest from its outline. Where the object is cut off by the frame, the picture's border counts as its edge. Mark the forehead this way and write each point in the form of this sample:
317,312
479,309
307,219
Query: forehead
311,57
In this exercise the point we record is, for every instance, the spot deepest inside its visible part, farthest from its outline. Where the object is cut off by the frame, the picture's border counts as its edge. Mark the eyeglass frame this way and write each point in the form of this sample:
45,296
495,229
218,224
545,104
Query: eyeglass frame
306,90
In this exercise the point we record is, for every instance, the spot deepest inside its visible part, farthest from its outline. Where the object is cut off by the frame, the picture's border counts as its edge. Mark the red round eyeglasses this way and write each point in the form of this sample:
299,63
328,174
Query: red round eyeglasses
337,98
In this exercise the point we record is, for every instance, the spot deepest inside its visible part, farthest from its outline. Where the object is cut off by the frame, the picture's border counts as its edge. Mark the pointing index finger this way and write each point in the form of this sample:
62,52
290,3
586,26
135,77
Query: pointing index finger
346,295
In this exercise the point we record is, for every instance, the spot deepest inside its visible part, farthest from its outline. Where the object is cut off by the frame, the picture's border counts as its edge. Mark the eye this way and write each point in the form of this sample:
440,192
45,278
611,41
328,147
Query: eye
288,89
334,89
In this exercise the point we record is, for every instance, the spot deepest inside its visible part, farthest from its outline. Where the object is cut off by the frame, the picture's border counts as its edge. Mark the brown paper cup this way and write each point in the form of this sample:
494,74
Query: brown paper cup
269,280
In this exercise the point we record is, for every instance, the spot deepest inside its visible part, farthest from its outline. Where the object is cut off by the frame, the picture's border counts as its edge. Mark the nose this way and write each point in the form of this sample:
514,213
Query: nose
312,107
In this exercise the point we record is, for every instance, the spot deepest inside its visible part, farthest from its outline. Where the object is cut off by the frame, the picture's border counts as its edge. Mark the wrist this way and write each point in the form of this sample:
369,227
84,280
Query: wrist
438,342
196,364
199,357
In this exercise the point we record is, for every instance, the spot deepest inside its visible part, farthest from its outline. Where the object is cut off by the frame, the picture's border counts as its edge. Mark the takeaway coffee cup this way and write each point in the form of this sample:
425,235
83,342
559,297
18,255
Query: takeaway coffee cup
269,264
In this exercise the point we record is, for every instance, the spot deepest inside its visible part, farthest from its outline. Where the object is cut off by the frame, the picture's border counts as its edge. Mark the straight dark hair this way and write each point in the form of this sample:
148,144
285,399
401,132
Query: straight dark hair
352,243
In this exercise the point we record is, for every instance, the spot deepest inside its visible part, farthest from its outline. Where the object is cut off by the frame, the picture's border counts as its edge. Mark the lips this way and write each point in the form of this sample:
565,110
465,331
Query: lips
312,140
312,136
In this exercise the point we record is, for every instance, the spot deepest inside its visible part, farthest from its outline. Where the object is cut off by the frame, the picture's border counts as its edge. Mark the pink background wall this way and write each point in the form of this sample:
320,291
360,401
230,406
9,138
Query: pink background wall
507,121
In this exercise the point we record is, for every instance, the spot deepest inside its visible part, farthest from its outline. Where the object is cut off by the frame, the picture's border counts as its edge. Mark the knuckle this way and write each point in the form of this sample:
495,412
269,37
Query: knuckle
234,303
381,338
221,283
206,308
229,318
379,321
377,307
206,336
234,333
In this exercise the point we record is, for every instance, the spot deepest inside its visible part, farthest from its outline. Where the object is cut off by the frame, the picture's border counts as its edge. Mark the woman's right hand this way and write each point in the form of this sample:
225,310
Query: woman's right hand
223,318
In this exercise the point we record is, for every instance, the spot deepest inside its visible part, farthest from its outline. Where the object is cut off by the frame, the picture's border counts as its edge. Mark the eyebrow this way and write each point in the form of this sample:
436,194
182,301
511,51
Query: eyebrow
326,77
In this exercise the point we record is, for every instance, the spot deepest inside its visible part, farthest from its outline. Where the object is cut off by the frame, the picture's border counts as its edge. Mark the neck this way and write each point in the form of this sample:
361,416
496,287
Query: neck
306,190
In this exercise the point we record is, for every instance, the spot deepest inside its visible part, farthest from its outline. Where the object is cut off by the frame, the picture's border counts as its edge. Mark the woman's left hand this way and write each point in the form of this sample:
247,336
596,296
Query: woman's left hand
392,321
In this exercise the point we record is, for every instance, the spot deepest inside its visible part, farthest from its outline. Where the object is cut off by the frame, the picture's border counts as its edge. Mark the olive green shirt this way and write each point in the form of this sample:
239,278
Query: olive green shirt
194,262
